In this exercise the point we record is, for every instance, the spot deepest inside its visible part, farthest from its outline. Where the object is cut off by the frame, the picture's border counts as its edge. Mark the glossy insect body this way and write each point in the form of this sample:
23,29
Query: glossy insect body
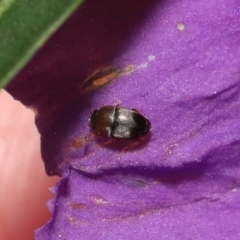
116,122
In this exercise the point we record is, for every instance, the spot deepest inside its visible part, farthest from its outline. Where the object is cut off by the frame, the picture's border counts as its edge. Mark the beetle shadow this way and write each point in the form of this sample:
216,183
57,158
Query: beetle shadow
123,145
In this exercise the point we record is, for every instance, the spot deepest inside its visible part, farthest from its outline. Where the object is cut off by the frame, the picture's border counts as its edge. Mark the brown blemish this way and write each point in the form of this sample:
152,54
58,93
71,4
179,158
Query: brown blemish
99,79
103,77
77,206
78,142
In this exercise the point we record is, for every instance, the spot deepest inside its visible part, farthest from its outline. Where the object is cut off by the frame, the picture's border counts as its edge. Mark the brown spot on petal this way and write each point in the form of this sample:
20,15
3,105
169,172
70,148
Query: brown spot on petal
99,79
102,77
78,142
76,206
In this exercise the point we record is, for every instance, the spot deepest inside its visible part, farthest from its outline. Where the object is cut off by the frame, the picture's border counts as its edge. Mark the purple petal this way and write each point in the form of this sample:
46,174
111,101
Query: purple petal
179,66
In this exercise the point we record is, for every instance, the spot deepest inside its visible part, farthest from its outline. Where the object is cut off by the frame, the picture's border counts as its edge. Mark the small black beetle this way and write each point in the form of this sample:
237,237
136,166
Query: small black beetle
117,122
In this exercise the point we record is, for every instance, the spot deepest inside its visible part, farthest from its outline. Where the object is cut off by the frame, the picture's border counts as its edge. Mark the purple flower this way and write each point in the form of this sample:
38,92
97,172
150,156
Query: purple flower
178,64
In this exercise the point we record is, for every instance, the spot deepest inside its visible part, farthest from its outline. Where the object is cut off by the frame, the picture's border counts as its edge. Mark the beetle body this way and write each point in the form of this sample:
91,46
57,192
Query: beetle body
117,122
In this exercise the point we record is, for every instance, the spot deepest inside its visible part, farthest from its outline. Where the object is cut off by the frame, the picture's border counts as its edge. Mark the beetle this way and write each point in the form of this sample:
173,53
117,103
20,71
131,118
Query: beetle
118,122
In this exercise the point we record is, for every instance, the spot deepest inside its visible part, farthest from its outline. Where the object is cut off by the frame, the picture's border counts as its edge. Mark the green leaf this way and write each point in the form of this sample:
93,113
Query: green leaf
24,26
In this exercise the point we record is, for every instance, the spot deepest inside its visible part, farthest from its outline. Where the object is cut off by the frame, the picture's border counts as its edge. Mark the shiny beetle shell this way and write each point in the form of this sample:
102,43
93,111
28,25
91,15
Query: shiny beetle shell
117,122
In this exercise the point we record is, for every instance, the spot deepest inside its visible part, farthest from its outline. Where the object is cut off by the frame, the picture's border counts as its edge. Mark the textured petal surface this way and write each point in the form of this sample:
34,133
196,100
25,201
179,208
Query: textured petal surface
178,64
